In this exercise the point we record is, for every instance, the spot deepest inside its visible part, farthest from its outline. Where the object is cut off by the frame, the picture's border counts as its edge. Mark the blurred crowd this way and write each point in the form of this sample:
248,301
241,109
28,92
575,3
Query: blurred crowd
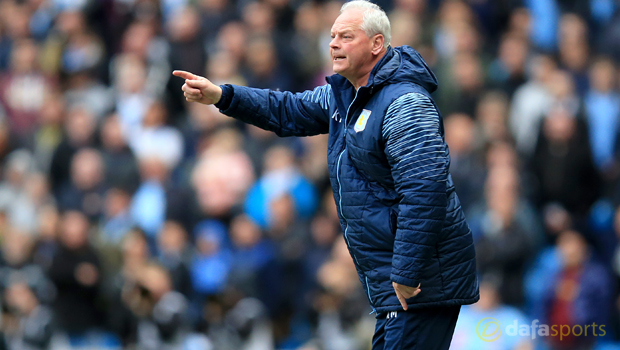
131,219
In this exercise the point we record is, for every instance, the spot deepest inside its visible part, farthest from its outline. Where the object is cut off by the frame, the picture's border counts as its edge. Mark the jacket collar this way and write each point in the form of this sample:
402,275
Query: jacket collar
382,71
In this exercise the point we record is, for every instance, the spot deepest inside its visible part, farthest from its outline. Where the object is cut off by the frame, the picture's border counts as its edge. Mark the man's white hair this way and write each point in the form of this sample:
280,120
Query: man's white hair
375,21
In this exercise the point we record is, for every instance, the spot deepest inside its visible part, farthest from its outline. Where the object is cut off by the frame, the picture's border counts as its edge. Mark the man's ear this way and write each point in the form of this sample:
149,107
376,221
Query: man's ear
377,44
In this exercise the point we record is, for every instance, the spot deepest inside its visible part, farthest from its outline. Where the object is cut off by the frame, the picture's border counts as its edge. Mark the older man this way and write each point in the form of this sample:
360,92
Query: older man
388,165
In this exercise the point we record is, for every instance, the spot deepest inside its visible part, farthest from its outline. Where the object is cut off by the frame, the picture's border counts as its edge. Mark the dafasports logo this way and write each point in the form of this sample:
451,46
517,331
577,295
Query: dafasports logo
490,329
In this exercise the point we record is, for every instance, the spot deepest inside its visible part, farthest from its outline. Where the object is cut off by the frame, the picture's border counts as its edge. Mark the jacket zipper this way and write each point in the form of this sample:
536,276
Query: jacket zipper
346,238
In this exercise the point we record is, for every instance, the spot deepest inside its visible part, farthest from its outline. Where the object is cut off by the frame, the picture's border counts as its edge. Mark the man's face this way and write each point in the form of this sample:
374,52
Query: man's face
350,48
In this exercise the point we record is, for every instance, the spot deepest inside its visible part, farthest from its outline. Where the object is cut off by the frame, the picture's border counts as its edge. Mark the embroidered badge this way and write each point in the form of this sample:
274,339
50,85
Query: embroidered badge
362,120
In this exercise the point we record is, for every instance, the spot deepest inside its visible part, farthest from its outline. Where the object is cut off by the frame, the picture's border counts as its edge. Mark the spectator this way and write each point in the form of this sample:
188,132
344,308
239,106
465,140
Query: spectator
76,272
503,239
222,175
581,281
23,88
116,221
281,176
156,140
33,320
173,252
602,112
86,190
212,263
466,165
531,103
467,333
160,311
121,166
563,163
79,133
508,72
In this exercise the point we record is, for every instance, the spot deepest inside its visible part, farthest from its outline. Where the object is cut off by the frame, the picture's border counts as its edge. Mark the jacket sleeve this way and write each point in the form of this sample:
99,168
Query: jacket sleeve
285,113
419,161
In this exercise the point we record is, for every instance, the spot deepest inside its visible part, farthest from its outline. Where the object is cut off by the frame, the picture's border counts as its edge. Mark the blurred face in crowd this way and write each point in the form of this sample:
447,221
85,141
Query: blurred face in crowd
71,22
406,29
52,109
130,74
543,67
492,112
460,132
87,169
135,248
74,233
467,72
414,7
259,17
231,38
353,53
21,297
489,296
37,187
561,84
173,238
261,57
501,154
156,115
323,231
157,280
17,19
278,158
116,202
184,25
24,56
244,232
501,192
281,215
603,76
48,222
572,29
513,52
137,38
573,249
80,126
559,126
16,247
112,134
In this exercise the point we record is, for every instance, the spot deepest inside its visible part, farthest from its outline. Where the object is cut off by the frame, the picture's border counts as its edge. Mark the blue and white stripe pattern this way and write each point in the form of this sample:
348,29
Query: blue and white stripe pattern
414,144
321,95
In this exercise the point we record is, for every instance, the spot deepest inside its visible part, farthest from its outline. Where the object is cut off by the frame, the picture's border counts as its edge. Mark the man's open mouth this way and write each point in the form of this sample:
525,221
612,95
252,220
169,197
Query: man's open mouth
339,58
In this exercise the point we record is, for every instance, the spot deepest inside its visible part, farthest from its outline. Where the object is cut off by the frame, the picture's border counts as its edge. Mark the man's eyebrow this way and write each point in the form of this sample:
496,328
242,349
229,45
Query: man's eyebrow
344,31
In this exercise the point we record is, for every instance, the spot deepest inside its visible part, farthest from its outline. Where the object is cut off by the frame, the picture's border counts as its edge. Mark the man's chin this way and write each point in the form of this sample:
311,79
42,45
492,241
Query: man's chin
338,69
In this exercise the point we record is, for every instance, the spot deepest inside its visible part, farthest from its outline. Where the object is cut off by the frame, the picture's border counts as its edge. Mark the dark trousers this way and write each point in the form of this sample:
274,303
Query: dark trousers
420,329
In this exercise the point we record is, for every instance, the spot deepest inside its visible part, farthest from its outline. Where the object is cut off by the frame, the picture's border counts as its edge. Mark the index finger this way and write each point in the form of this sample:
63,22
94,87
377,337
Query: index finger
185,75
401,299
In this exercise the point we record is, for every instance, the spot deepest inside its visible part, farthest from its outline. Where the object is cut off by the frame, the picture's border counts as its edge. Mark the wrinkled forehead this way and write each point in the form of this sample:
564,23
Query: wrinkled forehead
351,19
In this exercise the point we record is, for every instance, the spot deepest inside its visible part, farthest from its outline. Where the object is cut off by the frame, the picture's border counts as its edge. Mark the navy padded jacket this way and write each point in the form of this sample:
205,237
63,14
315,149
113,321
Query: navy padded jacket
388,166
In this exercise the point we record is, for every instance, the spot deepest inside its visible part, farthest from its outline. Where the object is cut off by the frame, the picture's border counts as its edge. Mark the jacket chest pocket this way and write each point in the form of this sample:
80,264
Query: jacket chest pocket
371,163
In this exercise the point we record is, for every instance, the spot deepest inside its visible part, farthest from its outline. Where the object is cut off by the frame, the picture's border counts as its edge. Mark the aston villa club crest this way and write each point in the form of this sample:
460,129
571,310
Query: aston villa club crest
362,120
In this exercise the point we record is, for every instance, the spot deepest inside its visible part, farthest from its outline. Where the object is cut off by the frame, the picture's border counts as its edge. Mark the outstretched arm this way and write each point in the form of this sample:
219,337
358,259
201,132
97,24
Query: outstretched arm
285,113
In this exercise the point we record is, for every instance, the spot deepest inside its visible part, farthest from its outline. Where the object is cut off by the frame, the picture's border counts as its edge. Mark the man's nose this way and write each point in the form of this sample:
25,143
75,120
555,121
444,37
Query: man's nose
334,43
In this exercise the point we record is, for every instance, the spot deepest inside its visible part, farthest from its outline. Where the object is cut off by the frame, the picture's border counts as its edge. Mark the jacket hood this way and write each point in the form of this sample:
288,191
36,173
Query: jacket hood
403,64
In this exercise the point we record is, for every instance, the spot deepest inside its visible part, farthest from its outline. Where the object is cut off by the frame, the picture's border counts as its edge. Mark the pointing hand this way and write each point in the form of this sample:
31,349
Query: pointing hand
199,89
